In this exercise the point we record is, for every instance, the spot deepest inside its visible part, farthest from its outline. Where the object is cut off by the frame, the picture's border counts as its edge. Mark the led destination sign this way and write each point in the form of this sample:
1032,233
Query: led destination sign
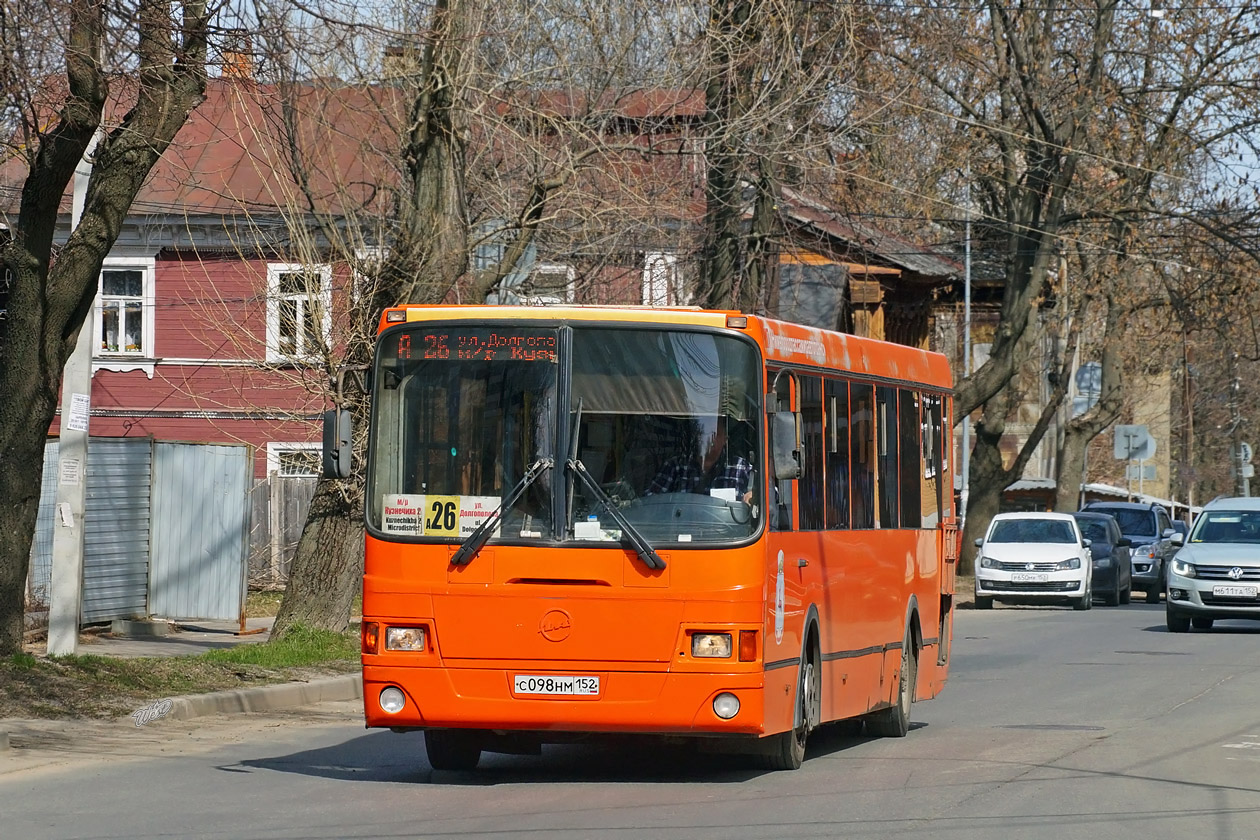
478,345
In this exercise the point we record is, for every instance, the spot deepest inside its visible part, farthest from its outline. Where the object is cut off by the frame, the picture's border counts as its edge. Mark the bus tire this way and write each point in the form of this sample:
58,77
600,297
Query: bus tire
452,749
894,722
786,750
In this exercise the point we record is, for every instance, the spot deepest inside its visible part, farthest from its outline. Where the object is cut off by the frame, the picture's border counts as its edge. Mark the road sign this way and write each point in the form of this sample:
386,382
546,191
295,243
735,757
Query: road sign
1140,472
1244,452
1134,443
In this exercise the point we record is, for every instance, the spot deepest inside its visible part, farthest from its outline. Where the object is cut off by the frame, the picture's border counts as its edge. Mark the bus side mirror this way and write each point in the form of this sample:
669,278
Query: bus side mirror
785,445
337,443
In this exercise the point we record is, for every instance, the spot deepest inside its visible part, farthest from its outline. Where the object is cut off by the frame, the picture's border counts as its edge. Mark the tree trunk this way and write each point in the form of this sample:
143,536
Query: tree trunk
328,561
1080,431
21,474
987,480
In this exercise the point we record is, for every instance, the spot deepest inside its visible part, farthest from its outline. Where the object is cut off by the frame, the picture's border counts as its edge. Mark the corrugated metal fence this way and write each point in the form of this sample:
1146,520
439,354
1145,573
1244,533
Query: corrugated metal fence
200,523
165,529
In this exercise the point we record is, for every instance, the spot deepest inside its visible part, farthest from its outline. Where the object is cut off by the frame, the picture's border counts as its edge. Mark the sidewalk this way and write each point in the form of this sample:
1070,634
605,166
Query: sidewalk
184,639
189,639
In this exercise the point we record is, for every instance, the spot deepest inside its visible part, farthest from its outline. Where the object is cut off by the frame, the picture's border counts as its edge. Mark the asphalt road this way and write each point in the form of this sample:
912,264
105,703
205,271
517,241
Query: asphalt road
1055,724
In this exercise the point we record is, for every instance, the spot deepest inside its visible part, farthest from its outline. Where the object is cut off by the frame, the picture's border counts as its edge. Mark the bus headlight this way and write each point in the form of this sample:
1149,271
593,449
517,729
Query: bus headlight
404,638
726,705
715,645
392,700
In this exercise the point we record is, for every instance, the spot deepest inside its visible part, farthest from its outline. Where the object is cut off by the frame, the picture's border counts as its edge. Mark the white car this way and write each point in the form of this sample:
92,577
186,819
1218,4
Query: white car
1034,558
1216,574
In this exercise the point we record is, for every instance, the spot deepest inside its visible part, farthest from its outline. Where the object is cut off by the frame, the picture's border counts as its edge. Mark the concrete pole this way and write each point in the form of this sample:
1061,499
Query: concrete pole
76,404
966,423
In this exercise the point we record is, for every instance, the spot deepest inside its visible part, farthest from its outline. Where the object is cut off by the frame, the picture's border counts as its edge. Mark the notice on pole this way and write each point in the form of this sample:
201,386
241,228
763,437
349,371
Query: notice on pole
80,407
71,471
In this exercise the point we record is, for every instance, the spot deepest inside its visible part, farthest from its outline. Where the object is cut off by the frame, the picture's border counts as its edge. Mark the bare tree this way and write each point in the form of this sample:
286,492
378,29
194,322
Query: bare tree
137,97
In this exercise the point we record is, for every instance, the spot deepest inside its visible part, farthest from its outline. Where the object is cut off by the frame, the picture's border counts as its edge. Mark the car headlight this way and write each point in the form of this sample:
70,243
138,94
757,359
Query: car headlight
1104,560
1070,563
989,563
1181,567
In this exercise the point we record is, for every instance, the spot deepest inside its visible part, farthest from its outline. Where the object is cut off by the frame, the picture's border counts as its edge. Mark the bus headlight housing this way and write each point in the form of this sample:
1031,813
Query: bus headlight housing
711,645
726,705
405,639
392,700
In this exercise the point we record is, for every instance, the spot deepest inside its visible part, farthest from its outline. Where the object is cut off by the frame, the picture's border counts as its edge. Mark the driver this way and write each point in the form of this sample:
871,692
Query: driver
715,469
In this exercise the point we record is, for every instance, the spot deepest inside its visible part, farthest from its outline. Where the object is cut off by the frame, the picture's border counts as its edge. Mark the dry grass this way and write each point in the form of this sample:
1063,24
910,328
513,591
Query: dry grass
102,686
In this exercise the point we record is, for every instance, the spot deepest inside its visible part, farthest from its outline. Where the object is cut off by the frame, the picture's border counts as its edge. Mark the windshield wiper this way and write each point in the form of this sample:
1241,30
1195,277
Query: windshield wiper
478,538
644,549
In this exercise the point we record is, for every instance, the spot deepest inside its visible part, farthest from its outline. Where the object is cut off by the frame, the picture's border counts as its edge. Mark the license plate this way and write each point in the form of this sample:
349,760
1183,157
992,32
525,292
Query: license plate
1234,591
562,685
1025,577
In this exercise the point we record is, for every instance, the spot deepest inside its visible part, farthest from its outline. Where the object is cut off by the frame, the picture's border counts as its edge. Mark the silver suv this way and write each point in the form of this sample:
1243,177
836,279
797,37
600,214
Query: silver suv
1149,530
1216,573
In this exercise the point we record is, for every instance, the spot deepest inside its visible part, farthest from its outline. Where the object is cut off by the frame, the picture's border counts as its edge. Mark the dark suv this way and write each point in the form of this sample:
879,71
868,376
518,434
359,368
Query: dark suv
1148,527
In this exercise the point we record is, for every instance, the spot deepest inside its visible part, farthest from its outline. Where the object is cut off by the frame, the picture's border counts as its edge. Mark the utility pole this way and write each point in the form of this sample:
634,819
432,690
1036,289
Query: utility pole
76,406
1235,428
966,421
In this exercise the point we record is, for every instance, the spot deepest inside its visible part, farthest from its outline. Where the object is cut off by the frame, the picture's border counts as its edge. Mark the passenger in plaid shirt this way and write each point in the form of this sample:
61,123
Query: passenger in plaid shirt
717,470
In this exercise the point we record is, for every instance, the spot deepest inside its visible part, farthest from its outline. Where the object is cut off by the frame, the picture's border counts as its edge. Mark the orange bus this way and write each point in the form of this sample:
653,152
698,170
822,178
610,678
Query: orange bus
675,522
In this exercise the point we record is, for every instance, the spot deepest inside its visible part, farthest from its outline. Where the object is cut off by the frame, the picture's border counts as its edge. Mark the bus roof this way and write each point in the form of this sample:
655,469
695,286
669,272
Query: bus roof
782,341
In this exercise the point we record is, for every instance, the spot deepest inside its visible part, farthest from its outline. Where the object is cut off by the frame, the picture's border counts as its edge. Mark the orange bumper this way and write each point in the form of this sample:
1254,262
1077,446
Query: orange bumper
628,702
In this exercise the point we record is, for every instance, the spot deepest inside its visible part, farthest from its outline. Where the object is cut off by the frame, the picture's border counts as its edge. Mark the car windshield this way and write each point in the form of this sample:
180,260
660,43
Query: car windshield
1031,531
1227,526
1137,523
1093,530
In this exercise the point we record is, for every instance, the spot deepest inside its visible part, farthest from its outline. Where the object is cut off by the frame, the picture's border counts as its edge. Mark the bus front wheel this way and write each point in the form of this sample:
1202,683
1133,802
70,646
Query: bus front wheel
786,750
452,749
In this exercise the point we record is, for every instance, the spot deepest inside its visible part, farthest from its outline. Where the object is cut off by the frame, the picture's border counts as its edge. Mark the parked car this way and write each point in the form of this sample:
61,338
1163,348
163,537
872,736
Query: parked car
1113,570
1216,573
1034,558
1149,528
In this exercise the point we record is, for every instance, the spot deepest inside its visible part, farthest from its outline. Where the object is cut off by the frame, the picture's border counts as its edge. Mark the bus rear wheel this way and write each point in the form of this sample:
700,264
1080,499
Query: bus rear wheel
452,749
895,722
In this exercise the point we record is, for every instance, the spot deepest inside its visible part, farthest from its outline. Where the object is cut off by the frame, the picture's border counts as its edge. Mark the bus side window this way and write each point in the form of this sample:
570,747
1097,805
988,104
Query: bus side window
862,445
781,489
811,480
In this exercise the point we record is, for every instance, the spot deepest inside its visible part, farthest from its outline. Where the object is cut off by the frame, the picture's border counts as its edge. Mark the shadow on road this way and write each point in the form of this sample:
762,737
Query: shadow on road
400,757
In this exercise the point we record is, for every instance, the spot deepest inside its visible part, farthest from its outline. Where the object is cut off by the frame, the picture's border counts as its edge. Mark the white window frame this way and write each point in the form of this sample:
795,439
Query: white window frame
274,273
276,449
548,297
662,282
127,359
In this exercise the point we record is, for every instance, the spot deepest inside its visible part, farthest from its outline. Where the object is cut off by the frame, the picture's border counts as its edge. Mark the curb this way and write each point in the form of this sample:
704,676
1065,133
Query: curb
266,698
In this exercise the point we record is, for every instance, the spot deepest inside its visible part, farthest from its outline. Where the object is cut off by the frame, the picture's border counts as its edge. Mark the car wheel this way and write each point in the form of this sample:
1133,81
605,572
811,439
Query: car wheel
1086,601
1152,595
895,722
1126,594
1202,623
1178,622
1113,598
452,749
983,603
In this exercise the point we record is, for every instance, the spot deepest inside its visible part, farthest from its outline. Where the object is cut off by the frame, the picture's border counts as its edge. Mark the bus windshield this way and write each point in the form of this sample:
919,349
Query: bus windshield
668,423
459,415
664,424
